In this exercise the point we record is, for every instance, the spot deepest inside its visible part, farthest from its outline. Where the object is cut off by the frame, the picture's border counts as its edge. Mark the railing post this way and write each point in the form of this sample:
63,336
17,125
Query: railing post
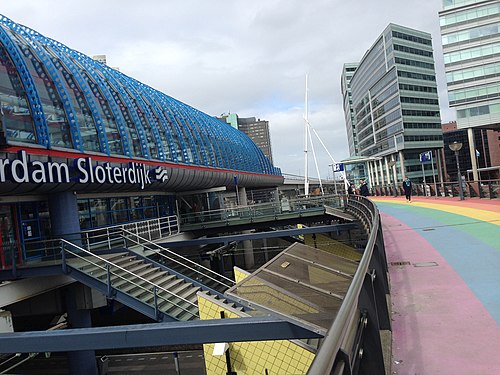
63,258
155,296
372,361
108,280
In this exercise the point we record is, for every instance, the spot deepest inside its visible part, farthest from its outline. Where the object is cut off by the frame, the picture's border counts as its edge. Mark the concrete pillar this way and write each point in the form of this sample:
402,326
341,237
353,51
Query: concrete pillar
247,244
81,362
402,164
382,179
376,173
370,174
394,173
389,179
64,216
472,151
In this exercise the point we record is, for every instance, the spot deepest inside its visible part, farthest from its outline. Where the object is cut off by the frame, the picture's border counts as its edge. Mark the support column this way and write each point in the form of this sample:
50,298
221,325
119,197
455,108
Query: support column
64,217
402,164
247,244
376,173
81,362
382,180
370,173
389,179
472,152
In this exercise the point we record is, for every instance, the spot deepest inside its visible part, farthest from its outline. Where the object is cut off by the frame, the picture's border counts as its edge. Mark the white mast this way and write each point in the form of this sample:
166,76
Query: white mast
306,142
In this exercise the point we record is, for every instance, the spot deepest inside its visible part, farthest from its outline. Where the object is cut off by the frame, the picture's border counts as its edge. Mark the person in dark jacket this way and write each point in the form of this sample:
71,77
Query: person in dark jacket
350,189
407,189
363,188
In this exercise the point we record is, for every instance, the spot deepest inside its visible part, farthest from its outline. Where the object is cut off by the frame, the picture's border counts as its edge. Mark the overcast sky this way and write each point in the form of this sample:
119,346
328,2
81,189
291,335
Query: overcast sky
244,57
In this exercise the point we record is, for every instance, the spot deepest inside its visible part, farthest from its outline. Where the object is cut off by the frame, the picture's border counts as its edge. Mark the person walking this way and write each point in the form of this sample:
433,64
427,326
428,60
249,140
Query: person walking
363,188
407,188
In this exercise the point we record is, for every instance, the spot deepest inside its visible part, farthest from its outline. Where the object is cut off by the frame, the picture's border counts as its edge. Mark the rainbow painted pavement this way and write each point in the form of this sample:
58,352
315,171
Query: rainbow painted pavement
444,268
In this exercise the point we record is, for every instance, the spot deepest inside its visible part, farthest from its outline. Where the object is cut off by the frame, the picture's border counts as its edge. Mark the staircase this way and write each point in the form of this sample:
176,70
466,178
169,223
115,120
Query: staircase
140,283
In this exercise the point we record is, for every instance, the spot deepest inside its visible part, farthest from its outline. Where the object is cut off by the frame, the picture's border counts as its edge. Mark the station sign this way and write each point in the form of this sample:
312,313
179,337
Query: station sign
338,167
83,171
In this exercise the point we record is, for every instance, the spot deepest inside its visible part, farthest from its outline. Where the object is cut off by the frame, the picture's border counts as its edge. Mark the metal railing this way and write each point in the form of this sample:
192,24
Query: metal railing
70,251
352,344
173,260
489,189
109,237
262,210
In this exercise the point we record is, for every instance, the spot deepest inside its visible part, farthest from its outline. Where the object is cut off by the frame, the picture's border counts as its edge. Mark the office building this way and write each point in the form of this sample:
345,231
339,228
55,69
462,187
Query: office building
256,129
395,106
470,32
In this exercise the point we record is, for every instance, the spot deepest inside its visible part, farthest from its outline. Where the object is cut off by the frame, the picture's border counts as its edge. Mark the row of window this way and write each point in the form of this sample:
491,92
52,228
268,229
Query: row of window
418,64
475,93
423,138
421,125
474,74
469,14
478,111
413,51
474,53
412,100
412,75
418,113
403,86
471,34
99,212
411,38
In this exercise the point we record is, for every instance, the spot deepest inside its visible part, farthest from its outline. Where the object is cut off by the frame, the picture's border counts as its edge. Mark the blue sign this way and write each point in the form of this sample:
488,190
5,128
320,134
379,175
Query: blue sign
338,167
425,156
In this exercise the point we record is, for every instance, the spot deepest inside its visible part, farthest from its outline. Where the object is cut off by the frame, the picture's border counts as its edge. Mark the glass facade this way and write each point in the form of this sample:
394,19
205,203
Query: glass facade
395,85
101,212
58,98
470,31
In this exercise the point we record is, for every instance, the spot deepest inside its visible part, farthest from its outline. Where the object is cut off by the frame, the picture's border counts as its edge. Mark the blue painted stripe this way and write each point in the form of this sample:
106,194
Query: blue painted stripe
457,238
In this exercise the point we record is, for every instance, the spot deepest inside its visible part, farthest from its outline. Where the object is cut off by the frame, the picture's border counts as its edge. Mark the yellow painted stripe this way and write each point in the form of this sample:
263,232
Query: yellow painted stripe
474,213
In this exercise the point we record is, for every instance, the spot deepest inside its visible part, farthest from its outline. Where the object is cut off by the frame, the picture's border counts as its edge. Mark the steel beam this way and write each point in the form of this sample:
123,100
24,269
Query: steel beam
260,235
154,334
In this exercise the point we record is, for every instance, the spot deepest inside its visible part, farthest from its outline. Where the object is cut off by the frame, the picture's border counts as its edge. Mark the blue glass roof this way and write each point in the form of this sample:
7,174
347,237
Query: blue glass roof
59,98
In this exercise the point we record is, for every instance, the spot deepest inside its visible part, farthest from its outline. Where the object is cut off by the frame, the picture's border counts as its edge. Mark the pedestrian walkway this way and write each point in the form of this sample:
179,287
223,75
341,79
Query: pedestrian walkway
444,268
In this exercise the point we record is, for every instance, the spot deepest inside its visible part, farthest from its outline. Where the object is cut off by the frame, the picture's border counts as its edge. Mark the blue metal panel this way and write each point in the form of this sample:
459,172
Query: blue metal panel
56,78
82,83
164,122
174,106
175,120
136,90
85,62
171,125
126,99
29,85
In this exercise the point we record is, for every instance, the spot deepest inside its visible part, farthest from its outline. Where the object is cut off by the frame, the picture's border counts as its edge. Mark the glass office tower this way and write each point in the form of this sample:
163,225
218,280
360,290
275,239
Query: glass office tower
395,106
470,32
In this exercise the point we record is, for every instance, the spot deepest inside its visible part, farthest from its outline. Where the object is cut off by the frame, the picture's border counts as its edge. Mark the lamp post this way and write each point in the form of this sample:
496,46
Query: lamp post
455,147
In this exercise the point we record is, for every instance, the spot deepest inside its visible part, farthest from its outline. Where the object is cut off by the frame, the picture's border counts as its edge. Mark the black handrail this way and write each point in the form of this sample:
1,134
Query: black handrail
331,356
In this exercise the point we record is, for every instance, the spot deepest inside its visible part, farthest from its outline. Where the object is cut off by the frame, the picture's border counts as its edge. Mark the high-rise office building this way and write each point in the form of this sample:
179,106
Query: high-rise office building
470,32
347,73
395,105
256,129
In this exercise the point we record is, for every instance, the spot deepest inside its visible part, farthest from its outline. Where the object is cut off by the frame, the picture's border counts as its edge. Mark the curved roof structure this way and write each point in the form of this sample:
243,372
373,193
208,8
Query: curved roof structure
56,98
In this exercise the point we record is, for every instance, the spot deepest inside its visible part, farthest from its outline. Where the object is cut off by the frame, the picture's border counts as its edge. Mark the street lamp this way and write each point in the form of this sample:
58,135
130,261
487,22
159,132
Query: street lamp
455,147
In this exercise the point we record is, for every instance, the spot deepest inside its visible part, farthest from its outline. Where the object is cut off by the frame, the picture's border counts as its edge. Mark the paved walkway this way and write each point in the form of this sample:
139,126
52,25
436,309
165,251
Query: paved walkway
444,268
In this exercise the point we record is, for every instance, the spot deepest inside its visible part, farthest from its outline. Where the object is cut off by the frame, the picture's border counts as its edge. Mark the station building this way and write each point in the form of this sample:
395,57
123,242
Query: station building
83,146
